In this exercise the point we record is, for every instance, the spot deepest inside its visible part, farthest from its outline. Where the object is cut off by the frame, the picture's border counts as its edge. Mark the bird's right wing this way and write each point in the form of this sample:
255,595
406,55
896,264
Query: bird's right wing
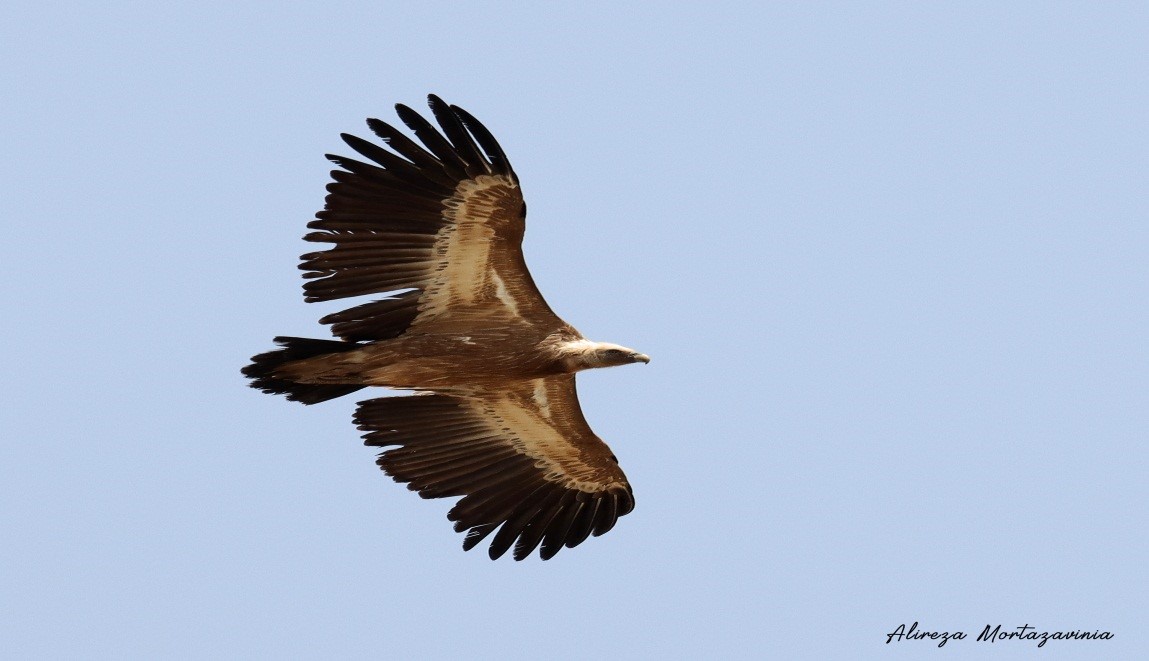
524,460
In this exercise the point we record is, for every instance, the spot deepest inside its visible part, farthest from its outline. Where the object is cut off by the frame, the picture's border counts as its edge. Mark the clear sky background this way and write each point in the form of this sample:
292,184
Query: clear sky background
891,262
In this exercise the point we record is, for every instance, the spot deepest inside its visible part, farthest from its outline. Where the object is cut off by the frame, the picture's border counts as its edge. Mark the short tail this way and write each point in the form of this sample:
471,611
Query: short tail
262,369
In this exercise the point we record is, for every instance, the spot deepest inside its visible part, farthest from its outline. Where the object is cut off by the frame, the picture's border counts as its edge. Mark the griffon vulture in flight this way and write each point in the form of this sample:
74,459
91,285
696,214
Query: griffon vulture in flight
495,419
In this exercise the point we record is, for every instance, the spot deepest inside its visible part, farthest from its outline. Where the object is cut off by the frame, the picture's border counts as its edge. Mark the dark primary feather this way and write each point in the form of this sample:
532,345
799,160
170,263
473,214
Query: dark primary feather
434,141
409,149
403,171
495,155
464,145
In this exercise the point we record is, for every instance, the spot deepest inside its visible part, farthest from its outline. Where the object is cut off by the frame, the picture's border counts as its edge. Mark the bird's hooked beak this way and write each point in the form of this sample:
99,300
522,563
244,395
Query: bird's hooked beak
640,357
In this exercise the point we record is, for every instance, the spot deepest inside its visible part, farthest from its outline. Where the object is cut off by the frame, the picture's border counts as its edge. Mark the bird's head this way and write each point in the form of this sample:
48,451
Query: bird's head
584,354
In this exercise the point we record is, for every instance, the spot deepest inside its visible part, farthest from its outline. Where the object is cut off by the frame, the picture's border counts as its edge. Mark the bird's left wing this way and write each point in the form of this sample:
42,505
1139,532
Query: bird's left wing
523,458
445,219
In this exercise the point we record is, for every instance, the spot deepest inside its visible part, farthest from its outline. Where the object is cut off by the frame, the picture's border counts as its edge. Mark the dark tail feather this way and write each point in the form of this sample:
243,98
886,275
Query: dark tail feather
262,368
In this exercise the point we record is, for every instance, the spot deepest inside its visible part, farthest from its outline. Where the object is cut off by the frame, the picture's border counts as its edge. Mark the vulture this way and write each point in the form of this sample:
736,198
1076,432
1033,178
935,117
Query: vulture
435,230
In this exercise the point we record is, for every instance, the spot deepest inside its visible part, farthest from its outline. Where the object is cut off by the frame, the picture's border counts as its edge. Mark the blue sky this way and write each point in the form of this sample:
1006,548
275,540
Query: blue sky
889,260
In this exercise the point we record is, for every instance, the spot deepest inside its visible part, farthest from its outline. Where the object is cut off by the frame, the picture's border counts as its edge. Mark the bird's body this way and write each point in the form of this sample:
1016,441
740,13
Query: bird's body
483,356
438,229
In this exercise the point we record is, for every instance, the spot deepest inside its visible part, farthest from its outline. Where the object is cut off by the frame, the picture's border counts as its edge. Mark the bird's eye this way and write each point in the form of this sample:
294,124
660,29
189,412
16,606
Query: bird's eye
614,352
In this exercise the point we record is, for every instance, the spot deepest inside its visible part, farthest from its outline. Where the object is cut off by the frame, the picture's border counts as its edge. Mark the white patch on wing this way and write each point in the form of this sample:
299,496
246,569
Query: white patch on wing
504,295
540,396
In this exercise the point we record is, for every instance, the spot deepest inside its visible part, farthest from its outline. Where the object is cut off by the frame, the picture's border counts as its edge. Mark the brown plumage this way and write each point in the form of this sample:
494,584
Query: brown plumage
438,229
